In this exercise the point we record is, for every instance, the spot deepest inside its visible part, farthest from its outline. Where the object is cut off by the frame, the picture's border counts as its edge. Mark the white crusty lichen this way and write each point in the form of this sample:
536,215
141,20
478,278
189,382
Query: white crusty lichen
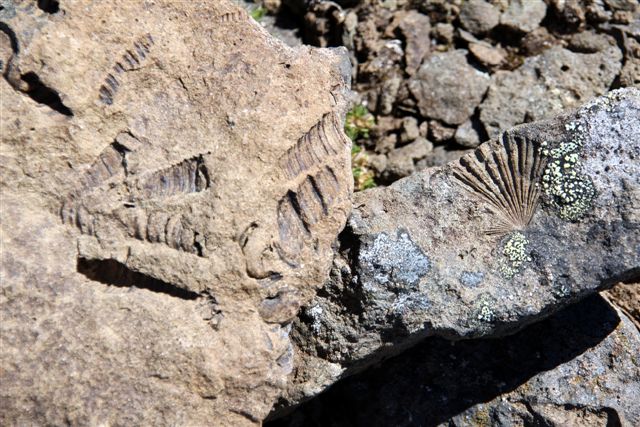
515,253
568,190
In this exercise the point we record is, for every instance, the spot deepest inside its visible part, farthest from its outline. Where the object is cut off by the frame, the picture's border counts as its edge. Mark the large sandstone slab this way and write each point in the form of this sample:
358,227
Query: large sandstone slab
173,180
546,214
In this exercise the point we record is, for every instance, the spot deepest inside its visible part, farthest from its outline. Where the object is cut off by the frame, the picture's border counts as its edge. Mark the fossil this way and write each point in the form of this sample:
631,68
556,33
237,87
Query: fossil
130,60
505,175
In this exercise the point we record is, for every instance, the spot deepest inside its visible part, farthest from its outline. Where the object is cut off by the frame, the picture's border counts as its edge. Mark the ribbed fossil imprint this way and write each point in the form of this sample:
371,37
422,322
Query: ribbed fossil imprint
506,176
315,185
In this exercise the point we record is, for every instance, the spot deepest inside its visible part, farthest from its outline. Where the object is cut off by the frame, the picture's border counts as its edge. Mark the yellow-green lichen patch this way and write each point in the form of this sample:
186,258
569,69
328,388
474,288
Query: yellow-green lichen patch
515,253
569,191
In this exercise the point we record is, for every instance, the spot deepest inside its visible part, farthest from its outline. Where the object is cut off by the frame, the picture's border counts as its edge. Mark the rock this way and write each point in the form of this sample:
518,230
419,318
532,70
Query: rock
487,55
477,249
444,33
401,161
537,41
467,135
626,5
479,16
166,208
578,368
590,42
409,130
546,84
440,156
415,27
440,132
447,88
630,73
524,15
571,13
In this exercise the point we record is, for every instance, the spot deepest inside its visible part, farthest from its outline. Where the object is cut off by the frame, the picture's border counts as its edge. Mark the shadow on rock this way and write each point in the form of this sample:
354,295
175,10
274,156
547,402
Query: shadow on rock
438,379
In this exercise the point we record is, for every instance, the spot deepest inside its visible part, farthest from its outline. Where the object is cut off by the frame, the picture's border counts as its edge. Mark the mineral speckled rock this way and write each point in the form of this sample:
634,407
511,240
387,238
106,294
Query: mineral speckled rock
447,88
544,215
579,368
547,84
173,180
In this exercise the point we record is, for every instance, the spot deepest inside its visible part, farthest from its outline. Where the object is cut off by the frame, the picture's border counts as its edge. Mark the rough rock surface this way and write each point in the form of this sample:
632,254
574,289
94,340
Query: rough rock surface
479,16
546,214
436,76
166,209
547,84
524,15
579,368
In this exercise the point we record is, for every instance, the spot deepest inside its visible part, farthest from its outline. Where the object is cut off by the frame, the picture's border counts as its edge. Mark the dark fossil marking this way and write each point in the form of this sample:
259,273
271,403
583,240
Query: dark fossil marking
130,60
507,178
235,16
324,140
137,215
315,187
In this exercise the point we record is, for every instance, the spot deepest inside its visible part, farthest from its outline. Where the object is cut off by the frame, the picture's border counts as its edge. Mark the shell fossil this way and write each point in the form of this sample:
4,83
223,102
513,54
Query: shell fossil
505,176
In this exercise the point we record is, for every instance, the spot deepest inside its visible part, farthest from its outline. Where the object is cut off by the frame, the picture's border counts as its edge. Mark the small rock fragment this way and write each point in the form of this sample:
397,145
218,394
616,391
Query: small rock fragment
444,33
409,130
590,42
415,27
467,135
524,15
401,161
487,54
478,16
440,132
537,41
447,88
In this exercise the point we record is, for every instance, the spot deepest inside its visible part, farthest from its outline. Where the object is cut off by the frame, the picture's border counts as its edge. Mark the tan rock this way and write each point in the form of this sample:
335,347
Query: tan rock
172,179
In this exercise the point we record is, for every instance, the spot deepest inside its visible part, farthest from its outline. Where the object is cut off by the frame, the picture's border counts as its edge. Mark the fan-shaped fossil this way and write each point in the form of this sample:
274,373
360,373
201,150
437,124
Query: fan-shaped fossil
505,175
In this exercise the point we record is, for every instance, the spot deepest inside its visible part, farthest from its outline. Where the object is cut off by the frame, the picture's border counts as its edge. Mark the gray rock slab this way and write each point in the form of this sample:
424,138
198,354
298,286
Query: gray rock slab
545,215
578,368
547,84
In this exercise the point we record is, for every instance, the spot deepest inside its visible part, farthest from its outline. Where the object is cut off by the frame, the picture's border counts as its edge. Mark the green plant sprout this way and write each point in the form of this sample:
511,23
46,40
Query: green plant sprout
358,123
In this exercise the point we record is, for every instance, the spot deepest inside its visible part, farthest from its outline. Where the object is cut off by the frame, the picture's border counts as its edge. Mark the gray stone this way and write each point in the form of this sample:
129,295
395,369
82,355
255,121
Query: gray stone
546,84
479,16
447,88
415,28
578,368
524,15
409,130
488,55
543,216
401,161
467,135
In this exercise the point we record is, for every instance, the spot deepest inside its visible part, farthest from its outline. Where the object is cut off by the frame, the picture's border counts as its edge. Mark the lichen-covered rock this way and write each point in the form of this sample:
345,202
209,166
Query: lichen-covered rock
173,180
447,88
544,215
547,84
579,368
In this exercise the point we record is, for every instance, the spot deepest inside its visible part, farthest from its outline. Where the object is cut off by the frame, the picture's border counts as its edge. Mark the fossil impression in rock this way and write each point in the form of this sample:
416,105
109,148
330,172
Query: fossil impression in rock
183,173
505,175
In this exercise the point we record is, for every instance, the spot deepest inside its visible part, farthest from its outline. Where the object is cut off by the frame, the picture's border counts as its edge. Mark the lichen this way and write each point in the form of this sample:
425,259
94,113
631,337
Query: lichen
515,253
484,309
569,191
